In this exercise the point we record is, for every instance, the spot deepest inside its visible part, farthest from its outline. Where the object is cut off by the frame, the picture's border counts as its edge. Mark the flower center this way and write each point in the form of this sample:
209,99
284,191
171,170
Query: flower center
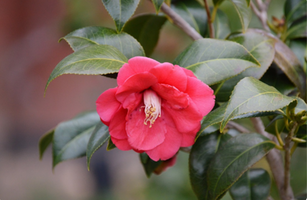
152,107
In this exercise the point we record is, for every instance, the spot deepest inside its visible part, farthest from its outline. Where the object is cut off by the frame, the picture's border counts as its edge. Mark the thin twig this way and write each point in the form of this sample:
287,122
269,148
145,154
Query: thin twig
275,161
181,23
210,22
261,12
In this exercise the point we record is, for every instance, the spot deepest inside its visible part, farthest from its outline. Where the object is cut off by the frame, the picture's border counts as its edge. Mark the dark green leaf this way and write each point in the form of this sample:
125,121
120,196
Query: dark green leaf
202,153
94,35
251,95
193,13
213,61
302,134
148,164
290,65
217,2
295,9
261,47
146,29
120,11
236,156
299,48
297,30
221,25
99,136
44,142
91,60
71,137
111,145
254,184
157,4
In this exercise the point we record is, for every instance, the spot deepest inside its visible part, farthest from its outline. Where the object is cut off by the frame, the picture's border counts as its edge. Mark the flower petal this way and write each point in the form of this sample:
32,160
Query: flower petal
171,144
175,98
121,144
135,84
141,136
107,105
170,74
117,125
186,120
134,66
201,94
132,101
188,139
189,73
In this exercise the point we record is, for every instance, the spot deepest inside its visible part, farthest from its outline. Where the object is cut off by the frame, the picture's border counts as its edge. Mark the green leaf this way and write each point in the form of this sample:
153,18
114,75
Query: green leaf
120,11
299,48
44,142
71,137
224,170
94,35
202,153
99,136
146,29
297,30
148,164
254,184
91,60
193,13
213,61
290,65
111,145
295,9
244,12
261,47
251,95
302,134
157,4
221,25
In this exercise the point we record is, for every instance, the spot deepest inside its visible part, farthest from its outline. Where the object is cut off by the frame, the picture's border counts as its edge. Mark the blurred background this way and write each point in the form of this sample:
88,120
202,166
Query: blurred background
29,51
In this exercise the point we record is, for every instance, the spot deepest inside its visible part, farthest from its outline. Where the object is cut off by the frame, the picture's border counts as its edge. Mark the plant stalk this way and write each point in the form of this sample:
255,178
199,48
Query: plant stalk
210,22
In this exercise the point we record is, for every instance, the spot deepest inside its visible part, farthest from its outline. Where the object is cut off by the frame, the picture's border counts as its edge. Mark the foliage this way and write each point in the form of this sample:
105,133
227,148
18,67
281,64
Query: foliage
254,73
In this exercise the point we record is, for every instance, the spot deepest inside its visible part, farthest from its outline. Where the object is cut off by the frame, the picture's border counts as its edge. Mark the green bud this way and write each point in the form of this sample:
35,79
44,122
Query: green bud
298,140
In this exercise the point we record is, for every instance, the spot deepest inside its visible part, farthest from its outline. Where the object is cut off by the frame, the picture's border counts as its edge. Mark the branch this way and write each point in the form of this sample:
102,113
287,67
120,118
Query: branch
210,22
275,161
181,23
261,12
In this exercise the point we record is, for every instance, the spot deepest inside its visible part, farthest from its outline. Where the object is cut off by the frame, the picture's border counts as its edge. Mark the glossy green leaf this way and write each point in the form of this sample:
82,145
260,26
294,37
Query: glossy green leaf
243,11
224,170
146,29
295,9
213,60
94,35
71,137
111,145
148,164
91,60
193,13
157,4
261,47
251,95
290,65
254,184
298,30
99,136
201,154
302,134
221,25
299,48
44,142
120,11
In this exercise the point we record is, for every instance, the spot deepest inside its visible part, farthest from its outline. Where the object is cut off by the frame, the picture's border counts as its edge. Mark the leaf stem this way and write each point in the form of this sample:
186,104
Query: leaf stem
261,12
278,135
218,87
275,161
180,22
210,22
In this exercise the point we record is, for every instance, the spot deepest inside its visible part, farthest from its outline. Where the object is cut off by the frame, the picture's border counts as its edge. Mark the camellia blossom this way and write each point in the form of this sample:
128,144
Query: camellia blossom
156,107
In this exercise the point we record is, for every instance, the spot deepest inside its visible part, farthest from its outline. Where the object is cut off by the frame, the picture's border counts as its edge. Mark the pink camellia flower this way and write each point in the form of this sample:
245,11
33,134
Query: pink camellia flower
156,107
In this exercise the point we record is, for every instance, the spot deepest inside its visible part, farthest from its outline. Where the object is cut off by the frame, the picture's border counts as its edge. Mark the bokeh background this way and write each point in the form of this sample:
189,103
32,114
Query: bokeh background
29,50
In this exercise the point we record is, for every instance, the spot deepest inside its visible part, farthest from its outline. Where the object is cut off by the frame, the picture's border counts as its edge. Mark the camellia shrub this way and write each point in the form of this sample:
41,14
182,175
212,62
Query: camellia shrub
229,99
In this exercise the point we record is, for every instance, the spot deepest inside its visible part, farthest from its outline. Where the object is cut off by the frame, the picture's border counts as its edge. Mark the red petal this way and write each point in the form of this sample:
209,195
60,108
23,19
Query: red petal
169,74
134,66
189,72
121,144
186,120
201,94
107,105
175,98
140,136
171,144
117,126
132,101
135,84
188,139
